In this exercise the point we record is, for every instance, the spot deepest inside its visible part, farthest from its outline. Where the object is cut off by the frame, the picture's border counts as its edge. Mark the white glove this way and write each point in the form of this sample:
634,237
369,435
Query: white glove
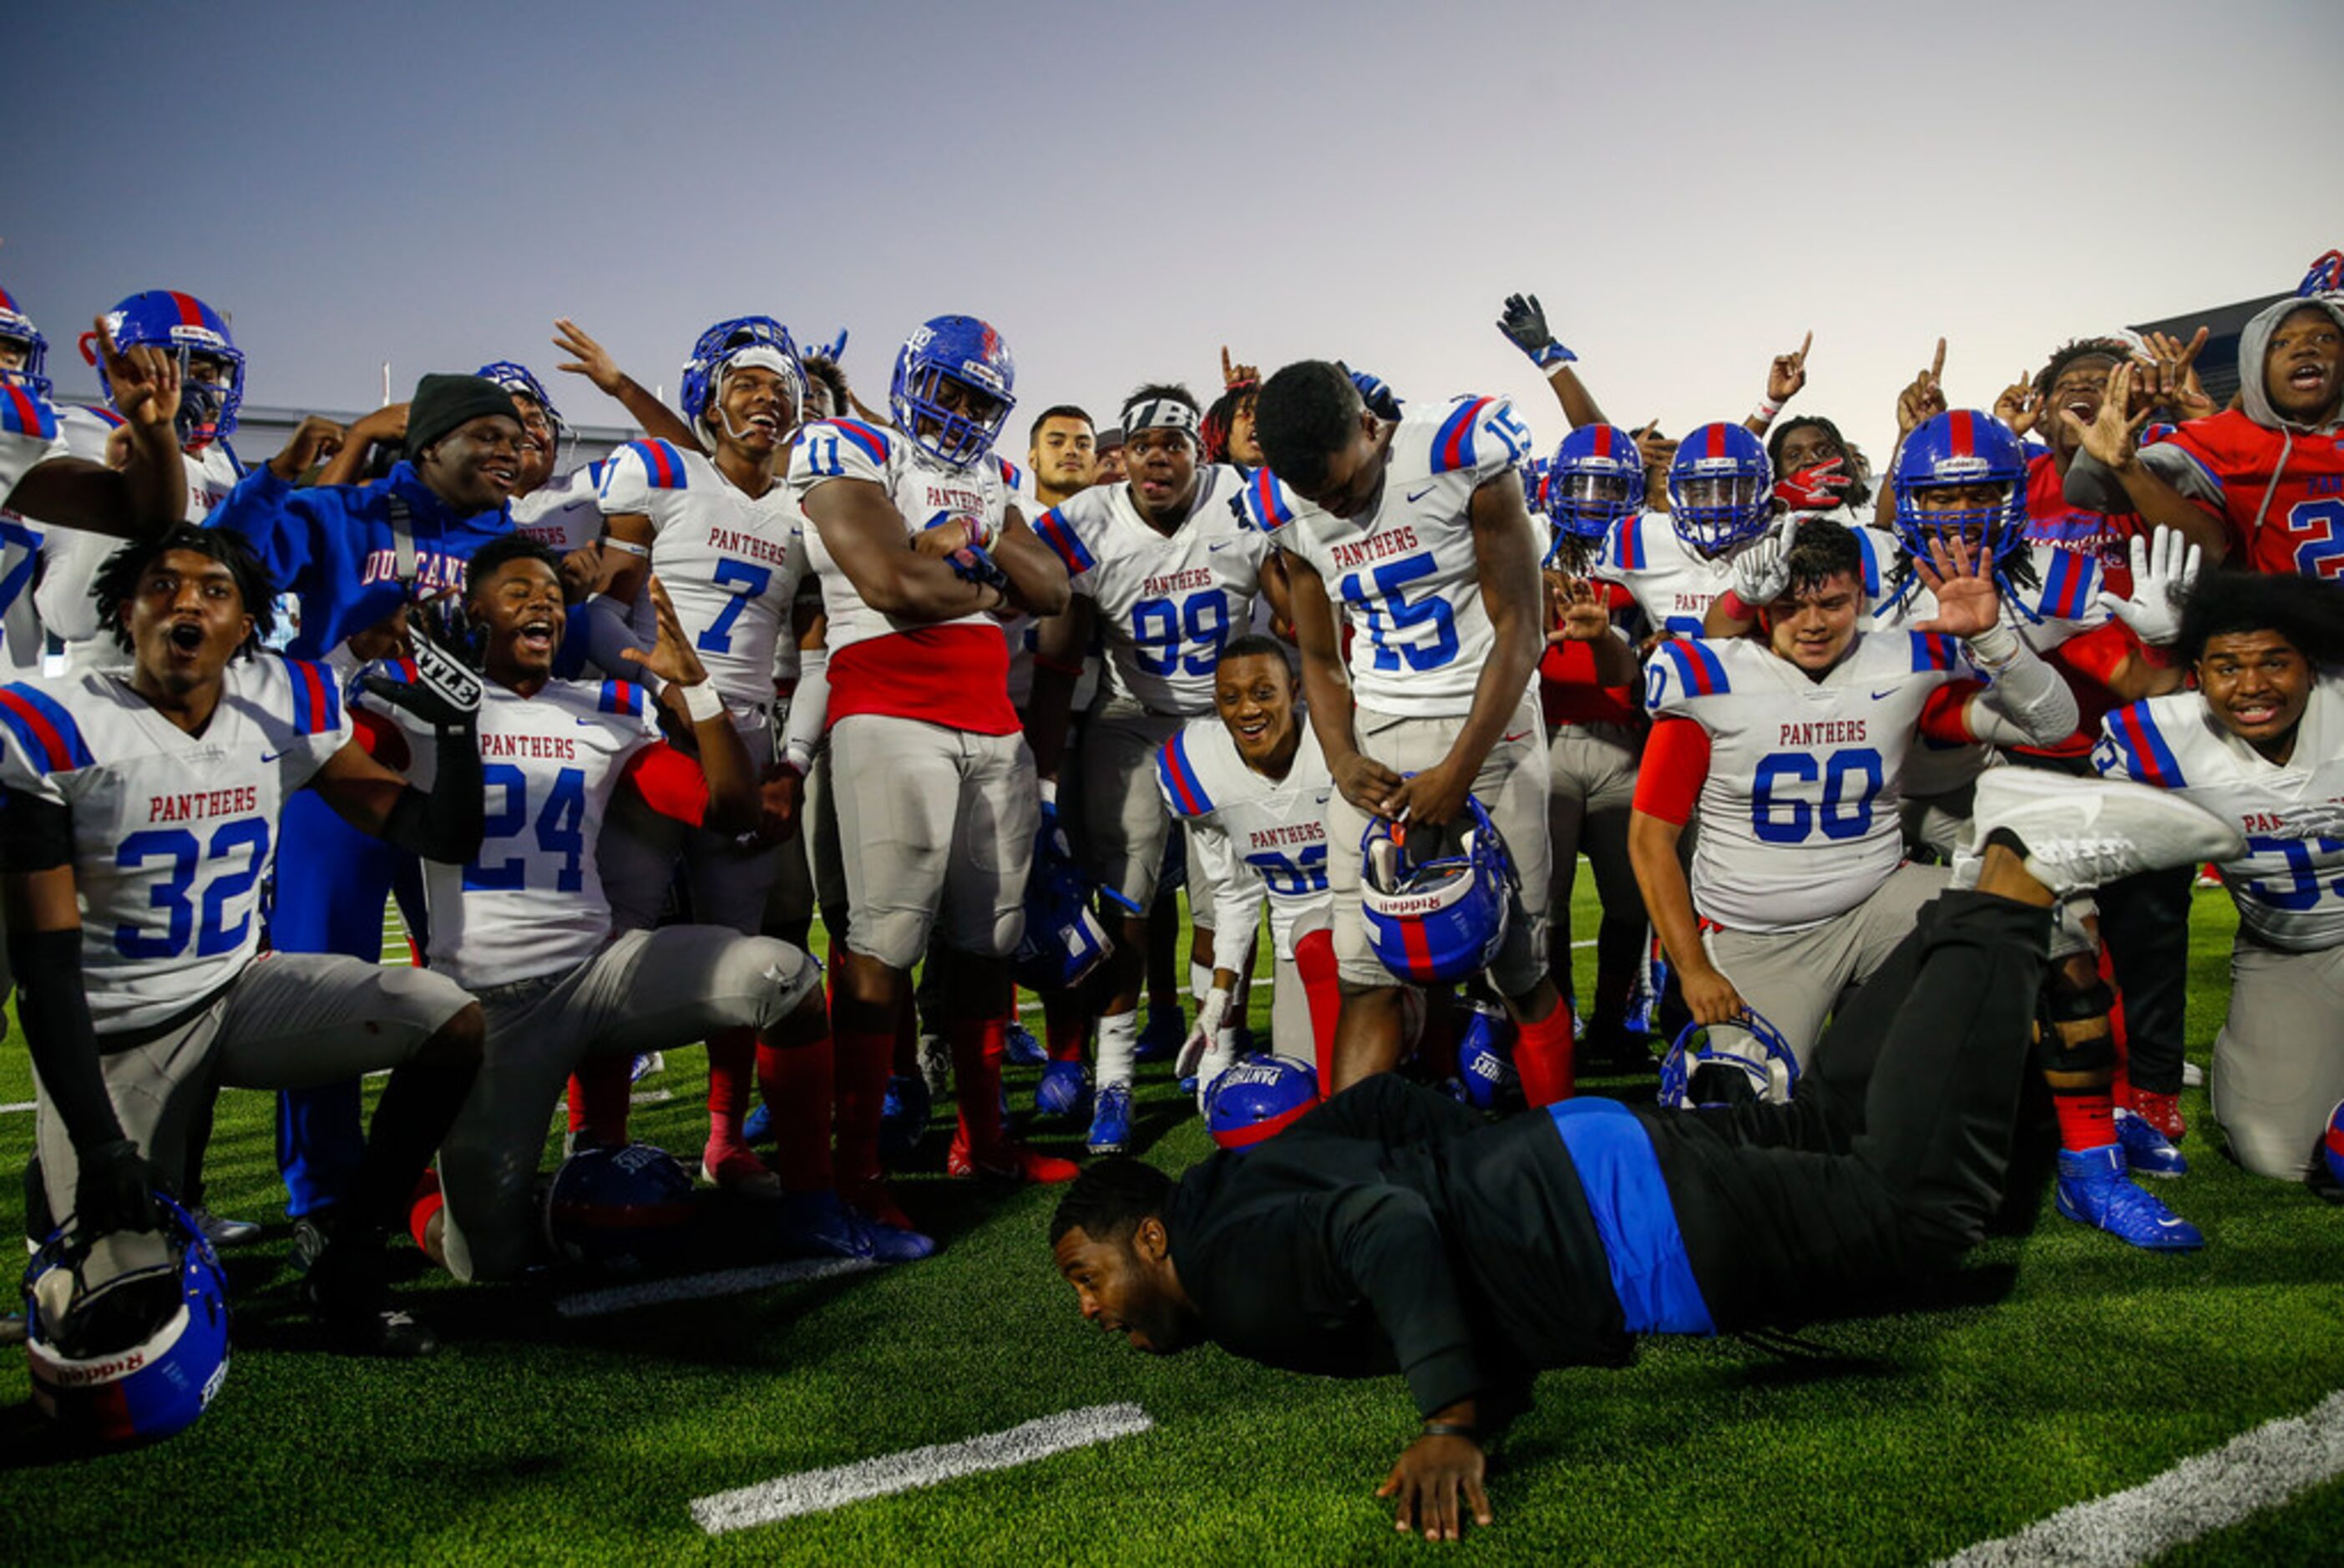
2163,569
2313,819
1762,573
1213,1064
1202,1037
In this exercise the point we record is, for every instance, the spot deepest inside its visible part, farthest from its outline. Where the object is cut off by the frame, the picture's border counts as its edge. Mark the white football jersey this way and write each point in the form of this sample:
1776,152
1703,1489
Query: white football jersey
1799,811
2289,884
2064,605
532,903
1405,573
1166,602
1674,584
1256,834
729,561
70,558
29,436
924,491
565,513
173,833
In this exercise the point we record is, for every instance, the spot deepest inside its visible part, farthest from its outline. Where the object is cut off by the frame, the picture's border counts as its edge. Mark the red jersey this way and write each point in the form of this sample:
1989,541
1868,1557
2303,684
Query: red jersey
1569,695
2295,524
2052,521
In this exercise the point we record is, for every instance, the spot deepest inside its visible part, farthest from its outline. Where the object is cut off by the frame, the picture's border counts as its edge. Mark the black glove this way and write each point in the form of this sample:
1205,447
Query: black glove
971,564
1524,325
115,1190
445,692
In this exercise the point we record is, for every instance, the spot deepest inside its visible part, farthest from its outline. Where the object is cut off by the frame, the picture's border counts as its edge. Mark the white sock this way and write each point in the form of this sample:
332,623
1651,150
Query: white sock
1118,1045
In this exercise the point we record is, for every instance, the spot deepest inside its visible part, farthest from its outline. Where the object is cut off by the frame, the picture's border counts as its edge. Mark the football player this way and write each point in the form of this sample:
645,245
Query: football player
526,924
1392,1230
917,546
1794,749
1250,786
2258,482
142,818
2260,742
1417,529
1164,570
352,556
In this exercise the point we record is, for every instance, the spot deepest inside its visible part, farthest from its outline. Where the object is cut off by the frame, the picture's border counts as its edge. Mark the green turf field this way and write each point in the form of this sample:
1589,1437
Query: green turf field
537,1438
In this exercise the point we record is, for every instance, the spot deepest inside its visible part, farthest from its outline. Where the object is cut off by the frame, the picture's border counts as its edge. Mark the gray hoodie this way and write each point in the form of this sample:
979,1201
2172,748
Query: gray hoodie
2090,484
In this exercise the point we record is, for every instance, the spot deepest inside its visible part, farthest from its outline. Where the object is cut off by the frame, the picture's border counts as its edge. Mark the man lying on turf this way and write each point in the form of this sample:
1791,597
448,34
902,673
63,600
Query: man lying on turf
1393,1230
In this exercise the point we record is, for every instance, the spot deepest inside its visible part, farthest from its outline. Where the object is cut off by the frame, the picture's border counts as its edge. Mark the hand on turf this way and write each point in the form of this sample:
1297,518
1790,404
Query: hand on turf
2164,569
1429,1479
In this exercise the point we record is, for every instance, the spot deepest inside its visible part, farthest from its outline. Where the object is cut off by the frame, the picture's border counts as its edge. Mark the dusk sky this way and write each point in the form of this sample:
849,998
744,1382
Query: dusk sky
1121,190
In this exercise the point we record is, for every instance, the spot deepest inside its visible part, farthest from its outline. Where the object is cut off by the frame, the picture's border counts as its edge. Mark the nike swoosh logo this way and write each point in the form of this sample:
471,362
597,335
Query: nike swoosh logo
1417,495
268,757
1876,696
1519,735
1216,549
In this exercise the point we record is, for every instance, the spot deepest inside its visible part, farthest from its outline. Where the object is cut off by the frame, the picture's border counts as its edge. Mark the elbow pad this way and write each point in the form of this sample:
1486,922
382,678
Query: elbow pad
2026,691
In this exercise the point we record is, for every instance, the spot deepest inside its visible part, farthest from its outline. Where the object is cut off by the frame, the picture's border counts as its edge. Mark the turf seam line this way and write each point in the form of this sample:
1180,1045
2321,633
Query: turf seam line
705,1287
820,1491
2206,1492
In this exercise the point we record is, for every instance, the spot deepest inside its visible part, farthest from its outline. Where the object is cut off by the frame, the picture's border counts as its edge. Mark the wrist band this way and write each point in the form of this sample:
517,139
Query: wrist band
701,704
1551,356
1451,1429
628,547
1731,602
1766,410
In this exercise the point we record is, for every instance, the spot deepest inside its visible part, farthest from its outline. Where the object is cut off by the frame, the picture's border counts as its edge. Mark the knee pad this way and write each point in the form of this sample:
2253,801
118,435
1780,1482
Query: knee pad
2060,1047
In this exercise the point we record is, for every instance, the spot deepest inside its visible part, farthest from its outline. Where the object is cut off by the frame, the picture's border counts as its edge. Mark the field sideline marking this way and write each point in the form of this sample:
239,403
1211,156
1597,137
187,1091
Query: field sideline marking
2206,1492
820,1491
705,1287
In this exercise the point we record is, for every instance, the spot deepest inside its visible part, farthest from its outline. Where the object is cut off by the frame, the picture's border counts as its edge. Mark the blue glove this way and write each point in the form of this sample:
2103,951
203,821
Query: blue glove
1524,325
970,564
1375,394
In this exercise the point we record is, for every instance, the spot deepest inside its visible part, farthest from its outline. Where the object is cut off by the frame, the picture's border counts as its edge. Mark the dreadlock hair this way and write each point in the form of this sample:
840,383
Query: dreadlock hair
1821,551
1222,417
1859,494
1305,413
2306,611
117,583
2068,353
1108,1200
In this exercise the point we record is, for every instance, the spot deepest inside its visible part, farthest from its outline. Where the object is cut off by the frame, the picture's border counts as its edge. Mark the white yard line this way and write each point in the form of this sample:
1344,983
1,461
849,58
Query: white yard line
819,1491
2210,1492
705,1287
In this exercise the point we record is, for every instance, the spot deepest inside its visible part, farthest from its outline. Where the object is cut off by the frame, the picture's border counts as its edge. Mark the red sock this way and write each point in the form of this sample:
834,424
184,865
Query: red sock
976,1047
2087,1117
799,1083
426,1201
860,1072
599,1095
1066,1025
731,1073
1542,1055
1314,960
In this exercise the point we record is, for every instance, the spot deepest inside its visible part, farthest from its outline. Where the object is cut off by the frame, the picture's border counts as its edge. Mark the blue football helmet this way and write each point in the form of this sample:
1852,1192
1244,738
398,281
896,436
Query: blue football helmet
1257,1098
970,355
1772,1075
138,1392
621,1209
190,329
2331,1144
1595,479
17,327
2325,275
1720,488
703,373
1063,940
515,377
1435,909
1486,1078
1959,448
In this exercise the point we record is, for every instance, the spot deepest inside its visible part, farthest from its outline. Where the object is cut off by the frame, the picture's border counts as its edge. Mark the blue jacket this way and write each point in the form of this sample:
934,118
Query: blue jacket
331,547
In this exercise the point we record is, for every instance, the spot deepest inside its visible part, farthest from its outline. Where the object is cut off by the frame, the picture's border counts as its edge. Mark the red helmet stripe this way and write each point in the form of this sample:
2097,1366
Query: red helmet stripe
1716,442
191,314
1603,441
1962,439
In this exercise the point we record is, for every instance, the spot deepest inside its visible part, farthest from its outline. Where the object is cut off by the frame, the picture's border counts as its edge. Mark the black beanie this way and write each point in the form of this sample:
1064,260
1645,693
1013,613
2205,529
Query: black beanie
443,402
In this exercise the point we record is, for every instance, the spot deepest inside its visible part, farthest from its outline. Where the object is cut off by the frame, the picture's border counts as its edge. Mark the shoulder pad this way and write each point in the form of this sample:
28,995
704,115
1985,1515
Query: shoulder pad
317,695
1934,651
1176,775
1011,474
663,464
43,730
1623,545
1478,433
1262,503
1052,529
1681,669
2132,746
2070,586
24,413
620,696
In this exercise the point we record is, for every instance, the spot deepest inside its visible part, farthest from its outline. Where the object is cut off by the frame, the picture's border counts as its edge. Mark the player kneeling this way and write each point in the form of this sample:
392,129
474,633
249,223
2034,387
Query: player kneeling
141,818
527,927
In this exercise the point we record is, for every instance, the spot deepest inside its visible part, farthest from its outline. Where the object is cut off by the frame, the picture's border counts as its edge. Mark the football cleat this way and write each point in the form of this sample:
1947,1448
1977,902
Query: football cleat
2147,1151
1111,1121
222,1232
1009,1161
757,1126
1435,909
2094,1190
1259,1099
645,1065
903,1117
1162,1039
2081,833
2162,1112
821,1224
1019,1049
2332,1145
737,1168
1064,1094
620,1209
348,1288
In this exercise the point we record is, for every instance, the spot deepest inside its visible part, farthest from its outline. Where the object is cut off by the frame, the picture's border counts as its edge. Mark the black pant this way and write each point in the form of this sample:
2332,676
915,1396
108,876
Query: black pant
2145,925
1890,1160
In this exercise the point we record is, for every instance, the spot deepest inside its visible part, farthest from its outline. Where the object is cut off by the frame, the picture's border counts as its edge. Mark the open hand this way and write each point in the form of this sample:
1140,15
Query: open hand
1436,1478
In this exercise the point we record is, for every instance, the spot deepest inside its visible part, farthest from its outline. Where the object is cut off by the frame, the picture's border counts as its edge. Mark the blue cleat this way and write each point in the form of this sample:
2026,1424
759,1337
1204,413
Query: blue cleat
1111,1121
1019,1049
1161,1040
2094,1190
821,1224
645,1065
1064,1094
2147,1152
903,1117
757,1126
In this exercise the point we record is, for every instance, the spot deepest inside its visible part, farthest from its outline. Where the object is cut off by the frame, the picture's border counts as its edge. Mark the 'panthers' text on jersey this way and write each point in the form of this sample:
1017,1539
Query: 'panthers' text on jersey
1256,834
1166,602
1674,584
1799,810
2289,884
172,833
729,561
1406,573
953,672
531,904
70,558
